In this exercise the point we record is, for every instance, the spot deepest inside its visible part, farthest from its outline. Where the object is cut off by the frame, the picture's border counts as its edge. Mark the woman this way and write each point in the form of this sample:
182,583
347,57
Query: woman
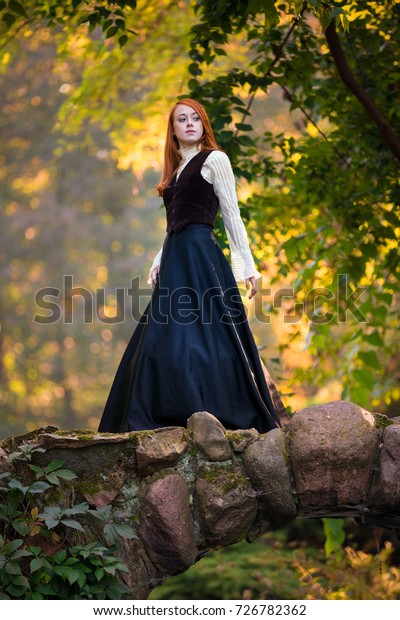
192,349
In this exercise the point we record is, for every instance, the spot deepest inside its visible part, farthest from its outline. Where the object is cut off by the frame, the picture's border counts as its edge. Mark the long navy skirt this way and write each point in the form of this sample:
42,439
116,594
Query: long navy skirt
193,349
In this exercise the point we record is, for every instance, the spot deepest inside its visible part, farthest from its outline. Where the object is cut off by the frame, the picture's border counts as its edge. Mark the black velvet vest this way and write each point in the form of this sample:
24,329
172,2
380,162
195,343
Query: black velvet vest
190,199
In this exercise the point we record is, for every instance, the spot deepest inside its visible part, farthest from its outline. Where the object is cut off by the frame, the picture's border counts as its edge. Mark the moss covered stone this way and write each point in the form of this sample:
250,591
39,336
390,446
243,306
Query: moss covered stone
226,503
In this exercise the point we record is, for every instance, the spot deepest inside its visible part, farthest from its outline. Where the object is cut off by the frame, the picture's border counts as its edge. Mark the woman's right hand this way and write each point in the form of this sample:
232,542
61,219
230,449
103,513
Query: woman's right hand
154,275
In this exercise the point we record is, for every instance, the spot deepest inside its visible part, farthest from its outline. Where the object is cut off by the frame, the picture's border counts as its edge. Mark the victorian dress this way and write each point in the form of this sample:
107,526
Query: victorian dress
192,349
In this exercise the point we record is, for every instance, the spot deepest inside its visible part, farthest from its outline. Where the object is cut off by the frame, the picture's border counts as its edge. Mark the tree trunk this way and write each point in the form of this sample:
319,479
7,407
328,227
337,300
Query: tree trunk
389,137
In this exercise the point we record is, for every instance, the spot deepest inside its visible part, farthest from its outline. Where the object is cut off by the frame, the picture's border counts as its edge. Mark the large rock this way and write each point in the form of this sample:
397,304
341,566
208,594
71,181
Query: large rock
166,524
160,448
209,436
266,464
332,451
386,488
226,504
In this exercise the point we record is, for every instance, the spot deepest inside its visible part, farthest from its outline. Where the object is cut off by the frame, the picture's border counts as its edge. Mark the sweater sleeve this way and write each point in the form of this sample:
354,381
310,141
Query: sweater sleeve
156,263
217,170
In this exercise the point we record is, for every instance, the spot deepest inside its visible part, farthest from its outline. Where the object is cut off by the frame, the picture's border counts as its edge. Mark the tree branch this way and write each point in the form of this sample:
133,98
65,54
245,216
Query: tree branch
310,120
273,62
389,137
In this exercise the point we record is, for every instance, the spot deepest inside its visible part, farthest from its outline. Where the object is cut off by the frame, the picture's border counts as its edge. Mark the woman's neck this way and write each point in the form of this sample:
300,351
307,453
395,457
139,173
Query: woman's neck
188,151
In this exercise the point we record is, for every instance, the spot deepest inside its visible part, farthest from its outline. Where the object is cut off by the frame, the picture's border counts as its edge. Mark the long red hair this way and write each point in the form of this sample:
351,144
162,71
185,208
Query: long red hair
172,157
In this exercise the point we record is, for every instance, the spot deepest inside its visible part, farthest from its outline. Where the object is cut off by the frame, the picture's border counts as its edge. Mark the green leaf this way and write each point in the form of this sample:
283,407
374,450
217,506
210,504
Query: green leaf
36,564
385,297
21,527
111,32
60,556
16,484
66,474
380,312
71,561
78,509
73,524
264,6
53,478
73,576
8,19
53,511
13,568
56,464
17,591
194,69
370,359
51,522
334,536
62,571
46,590
123,40
373,339
124,530
325,21
360,395
35,549
364,376
37,469
51,516
245,140
15,6
111,534
39,487
298,5
102,512
244,127
81,580
20,553
12,546
336,11
21,581
193,84
107,24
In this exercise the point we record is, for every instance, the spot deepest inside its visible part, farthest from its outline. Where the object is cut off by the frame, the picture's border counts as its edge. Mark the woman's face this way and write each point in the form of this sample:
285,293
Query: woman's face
187,125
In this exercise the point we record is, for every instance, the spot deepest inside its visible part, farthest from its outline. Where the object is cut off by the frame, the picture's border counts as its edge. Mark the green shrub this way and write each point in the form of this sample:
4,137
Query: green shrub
280,567
260,570
37,559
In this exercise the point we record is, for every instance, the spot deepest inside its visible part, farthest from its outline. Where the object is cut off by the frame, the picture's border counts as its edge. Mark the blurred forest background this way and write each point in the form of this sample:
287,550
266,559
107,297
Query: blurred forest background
303,96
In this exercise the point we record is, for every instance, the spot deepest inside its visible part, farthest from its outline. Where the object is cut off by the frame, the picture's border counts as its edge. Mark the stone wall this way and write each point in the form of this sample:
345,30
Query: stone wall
190,490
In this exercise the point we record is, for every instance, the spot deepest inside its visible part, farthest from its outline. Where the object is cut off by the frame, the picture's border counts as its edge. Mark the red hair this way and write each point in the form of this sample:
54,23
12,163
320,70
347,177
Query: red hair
172,157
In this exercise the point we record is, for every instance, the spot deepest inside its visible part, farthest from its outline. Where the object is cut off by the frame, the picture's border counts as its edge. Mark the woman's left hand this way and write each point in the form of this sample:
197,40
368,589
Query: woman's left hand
251,283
